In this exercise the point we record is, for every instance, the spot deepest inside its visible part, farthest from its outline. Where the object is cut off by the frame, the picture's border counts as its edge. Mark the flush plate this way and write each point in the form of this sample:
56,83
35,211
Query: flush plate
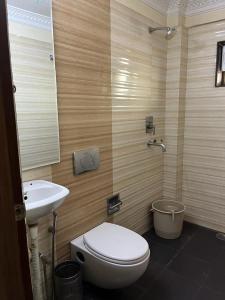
86,160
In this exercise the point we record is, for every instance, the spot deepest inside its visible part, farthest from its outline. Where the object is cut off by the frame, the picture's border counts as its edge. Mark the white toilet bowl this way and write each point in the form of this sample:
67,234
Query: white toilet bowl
111,256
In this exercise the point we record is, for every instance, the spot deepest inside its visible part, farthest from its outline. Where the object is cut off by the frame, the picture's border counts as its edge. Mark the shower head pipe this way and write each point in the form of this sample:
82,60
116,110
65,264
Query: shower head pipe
170,31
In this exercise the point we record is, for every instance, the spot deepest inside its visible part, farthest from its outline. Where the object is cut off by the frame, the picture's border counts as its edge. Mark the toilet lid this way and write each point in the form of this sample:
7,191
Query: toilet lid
116,243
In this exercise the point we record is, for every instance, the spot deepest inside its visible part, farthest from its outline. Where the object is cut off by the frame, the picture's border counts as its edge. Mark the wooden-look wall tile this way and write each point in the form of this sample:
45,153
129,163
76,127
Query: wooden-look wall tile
82,45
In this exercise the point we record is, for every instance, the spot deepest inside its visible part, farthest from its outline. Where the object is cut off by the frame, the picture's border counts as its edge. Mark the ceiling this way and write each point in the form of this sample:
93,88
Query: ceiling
185,7
42,7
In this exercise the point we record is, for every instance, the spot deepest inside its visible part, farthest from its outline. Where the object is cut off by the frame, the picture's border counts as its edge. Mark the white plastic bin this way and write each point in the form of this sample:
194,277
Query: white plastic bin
168,218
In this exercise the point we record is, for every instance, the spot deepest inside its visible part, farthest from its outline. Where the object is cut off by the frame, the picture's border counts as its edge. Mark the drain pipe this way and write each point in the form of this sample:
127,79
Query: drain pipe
45,263
35,263
52,229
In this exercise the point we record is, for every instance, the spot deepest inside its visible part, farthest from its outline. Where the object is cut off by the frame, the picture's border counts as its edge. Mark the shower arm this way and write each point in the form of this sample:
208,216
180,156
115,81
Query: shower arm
151,29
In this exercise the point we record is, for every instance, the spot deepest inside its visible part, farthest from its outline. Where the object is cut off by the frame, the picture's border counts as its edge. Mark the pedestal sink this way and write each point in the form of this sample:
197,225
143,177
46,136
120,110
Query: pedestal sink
41,198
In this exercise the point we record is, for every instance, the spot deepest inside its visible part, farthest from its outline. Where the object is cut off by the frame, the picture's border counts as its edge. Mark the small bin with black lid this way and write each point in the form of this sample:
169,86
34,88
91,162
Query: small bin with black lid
68,281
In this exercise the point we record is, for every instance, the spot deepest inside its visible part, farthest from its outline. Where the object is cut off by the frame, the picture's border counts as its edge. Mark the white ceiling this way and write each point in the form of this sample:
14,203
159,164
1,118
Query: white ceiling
186,7
42,7
159,5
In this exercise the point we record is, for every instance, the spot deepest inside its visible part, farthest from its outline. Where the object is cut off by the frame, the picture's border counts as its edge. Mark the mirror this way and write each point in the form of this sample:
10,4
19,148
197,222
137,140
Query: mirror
33,68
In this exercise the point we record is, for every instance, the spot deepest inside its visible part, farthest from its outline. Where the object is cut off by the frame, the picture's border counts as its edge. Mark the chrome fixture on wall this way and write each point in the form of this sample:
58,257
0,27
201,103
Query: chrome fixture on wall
170,31
113,204
155,143
149,125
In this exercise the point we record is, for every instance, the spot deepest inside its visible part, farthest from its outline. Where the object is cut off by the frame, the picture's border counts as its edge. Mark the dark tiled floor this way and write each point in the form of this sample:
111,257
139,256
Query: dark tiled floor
191,267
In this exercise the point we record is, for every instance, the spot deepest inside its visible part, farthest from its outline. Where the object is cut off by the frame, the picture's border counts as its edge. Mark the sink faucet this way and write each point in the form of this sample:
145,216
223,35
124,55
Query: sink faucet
154,143
25,196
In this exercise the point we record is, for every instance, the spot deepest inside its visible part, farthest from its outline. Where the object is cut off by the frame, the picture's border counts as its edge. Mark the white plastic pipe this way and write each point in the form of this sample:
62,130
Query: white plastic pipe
35,263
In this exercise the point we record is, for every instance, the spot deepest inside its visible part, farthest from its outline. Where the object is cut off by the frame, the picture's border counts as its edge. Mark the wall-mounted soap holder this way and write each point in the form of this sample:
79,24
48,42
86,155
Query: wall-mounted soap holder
113,204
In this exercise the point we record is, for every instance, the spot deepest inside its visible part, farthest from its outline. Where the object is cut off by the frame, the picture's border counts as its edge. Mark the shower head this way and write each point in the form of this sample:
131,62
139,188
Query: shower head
170,31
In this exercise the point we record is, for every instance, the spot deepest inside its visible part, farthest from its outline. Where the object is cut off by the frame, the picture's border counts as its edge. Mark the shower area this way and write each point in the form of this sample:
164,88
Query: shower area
166,72
138,78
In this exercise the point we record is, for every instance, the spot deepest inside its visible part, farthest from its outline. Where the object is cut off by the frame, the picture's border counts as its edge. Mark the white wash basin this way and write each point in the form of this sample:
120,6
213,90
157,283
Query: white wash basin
41,198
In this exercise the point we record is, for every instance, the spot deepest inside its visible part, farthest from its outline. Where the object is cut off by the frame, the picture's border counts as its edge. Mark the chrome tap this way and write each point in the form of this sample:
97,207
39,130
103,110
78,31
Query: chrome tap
154,143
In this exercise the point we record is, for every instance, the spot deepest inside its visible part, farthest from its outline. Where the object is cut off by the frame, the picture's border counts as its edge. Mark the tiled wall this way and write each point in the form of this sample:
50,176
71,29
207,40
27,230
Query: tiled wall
175,114
84,77
204,143
130,65
85,117
82,49
138,64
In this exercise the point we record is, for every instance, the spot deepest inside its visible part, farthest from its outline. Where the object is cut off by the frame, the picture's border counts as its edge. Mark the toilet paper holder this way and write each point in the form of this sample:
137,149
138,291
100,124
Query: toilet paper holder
113,204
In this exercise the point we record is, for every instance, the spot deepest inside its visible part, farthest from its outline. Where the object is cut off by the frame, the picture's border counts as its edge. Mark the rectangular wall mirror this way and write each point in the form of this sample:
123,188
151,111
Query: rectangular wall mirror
220,64
33,67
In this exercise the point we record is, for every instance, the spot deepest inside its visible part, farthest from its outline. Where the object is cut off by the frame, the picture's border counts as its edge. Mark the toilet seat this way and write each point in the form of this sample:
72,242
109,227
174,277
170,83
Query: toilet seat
116,244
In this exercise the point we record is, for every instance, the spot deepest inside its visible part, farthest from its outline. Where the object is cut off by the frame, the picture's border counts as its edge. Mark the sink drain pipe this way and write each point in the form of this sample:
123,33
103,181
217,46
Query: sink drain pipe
52,229
35,262
45,263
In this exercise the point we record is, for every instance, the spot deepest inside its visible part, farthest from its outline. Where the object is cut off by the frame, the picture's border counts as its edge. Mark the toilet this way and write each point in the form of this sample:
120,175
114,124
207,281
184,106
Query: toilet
111,256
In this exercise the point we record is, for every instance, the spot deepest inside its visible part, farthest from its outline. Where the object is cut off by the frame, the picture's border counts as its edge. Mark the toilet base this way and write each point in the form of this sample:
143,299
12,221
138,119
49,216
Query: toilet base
105,274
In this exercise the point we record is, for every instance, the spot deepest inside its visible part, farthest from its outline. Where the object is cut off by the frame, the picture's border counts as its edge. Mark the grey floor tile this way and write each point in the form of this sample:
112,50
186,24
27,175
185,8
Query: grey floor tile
133,292
204,245
207,294
151,274
190,267
216,278
171,286
161,253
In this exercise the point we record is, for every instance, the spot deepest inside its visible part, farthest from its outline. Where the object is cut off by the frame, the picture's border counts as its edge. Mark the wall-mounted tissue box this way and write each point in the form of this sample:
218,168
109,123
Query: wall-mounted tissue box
86,160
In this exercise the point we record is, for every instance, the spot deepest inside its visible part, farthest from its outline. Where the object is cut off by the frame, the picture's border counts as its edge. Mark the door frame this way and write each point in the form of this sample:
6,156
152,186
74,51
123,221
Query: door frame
15,280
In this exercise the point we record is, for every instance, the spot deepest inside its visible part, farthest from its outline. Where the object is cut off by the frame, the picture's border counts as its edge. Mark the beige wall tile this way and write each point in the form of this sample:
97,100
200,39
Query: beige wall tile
138,63
204,140
174,115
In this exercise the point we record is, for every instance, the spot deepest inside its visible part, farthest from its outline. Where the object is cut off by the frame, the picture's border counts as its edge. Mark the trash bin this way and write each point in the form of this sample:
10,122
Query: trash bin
168,218
68,281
